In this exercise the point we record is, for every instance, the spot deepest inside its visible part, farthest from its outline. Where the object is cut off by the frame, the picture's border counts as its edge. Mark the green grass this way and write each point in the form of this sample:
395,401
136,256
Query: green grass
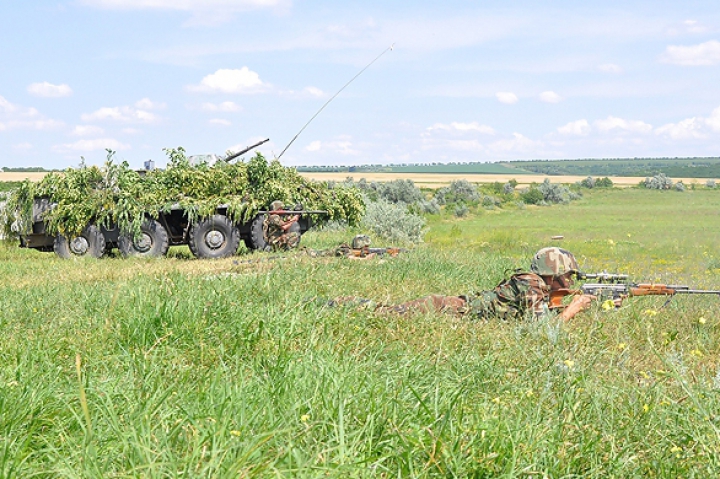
229,368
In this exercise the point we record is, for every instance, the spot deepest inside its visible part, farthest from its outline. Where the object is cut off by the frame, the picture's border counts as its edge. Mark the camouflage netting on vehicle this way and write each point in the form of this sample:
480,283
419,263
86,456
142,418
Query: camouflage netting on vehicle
116,194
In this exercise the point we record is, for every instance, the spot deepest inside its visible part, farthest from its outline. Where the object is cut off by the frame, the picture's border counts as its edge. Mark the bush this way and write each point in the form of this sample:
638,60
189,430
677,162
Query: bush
588,182
461,210
428,207
556,193
393,222
399,191
460,191
710,183
532,196
658,182
604,183
679,186
508,188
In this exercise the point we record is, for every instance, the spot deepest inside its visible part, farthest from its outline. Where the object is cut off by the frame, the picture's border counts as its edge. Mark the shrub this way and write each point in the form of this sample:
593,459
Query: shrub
679,186
393,222
604,183
428,207
710,183
460,191
400,191
588,182
532,196
461,210
556,193
508,188
658,182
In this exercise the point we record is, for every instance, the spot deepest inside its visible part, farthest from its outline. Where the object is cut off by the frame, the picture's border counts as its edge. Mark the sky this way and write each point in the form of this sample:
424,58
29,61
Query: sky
429,81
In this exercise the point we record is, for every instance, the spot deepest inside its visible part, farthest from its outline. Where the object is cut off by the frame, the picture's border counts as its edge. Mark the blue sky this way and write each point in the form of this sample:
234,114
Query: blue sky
465,81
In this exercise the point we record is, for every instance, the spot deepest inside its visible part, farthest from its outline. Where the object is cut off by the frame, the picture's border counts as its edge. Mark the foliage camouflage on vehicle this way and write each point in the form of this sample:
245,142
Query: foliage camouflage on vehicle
114,193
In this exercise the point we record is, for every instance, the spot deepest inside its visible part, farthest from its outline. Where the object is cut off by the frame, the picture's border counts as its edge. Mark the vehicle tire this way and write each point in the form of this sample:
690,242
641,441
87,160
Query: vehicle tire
152,242
214,237
257,239
90,243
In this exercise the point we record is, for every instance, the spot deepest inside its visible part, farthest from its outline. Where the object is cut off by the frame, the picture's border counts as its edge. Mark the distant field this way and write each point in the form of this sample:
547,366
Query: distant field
641,167
434,180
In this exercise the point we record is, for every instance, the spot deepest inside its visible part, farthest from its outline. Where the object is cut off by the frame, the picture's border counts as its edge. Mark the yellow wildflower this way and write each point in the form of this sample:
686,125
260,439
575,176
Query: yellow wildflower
650,312
608,304
305,417
496,400
676,449
569,363
621,346
697,353
235,433
646,408
702,320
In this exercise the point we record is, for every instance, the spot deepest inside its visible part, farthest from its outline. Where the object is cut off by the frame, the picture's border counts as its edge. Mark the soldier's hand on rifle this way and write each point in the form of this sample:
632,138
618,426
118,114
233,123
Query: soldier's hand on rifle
579,303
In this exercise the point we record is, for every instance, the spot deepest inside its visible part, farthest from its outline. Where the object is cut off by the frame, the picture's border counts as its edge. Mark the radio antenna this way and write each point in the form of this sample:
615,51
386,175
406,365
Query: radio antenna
333,97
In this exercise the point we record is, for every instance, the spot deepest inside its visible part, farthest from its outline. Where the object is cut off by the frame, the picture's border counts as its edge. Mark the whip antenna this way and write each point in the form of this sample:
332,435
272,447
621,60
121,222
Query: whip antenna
333,97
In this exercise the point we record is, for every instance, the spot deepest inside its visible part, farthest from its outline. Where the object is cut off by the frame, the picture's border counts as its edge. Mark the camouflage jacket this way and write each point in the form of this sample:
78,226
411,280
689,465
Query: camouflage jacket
514,298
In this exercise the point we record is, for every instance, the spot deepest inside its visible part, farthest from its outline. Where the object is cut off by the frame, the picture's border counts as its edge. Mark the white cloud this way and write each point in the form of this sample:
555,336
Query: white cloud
337,147
148,104
20,117
704,54
506,97
314,146
92,145
120,113
219,121
312,91
610,68
23,146
226,106
714,121
579,128
49,90
518,143
226,80
463,127
550,97
684,130
613,123
87,130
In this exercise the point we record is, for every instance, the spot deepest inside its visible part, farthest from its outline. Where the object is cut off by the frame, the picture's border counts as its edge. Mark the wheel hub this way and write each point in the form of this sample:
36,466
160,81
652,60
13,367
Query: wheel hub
143,243
79,246
214,239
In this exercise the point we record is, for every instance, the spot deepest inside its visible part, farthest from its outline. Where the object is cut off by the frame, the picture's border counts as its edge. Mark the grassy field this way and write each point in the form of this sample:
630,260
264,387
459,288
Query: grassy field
238,368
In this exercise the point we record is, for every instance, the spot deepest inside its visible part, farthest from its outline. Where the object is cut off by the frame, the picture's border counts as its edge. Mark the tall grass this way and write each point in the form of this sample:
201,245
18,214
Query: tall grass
181,367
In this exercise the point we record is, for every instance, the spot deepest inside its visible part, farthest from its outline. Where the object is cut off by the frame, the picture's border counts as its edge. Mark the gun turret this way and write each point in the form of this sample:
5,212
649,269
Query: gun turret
245,150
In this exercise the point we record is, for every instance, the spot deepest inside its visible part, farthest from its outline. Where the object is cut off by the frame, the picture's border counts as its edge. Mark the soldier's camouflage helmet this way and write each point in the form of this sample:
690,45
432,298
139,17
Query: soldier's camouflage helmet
277,205
360,241
553,261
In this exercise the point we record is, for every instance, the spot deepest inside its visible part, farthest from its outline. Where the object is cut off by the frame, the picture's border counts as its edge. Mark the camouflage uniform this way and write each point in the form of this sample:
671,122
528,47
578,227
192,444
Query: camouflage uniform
277,238
523,294
515,297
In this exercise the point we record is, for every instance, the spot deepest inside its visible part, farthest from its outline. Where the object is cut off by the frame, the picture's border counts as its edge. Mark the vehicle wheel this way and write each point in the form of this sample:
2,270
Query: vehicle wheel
152,242
257,238
90,243
214,237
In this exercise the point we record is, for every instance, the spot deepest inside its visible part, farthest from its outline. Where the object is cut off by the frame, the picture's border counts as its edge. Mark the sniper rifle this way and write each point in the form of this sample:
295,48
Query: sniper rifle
612,286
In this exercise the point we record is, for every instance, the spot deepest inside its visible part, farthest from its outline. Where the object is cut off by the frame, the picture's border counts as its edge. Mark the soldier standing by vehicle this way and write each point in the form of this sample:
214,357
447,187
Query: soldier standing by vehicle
277,228
523,294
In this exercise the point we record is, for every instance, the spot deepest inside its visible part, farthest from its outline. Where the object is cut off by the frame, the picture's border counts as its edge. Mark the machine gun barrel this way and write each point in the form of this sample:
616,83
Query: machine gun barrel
245,150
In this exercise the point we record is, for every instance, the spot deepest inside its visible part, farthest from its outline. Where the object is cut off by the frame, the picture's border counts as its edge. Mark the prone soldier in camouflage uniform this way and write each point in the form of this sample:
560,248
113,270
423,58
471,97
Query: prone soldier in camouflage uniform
277,228
522,294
